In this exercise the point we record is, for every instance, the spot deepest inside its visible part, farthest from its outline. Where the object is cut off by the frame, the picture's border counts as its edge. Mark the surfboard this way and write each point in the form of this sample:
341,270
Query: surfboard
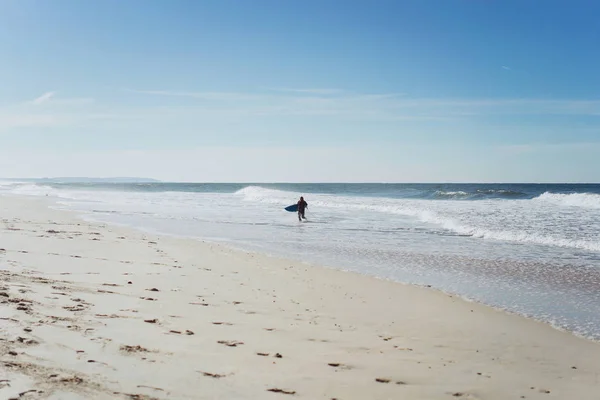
292,208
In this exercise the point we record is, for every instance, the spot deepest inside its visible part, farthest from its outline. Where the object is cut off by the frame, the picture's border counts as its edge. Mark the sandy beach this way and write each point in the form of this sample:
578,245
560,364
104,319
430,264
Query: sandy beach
92,311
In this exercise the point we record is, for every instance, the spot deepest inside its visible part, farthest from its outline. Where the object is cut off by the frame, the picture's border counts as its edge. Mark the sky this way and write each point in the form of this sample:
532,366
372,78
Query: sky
301,91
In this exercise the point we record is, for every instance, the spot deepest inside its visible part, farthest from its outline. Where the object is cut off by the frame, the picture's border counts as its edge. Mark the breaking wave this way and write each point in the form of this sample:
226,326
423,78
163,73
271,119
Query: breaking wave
519,221
585,200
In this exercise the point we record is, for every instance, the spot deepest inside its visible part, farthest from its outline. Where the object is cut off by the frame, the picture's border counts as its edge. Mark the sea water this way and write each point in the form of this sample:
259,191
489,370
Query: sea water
532,249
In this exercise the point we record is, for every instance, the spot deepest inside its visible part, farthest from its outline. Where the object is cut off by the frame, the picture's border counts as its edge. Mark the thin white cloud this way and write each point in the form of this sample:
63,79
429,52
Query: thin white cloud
516,149
351,102
17,118
382,106
308,91
506,68
210,109
197,95
43,98
239,95
51,98
10,121
75,101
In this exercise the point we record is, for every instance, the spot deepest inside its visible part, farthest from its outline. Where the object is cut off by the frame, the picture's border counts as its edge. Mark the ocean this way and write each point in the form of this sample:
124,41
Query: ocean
531,249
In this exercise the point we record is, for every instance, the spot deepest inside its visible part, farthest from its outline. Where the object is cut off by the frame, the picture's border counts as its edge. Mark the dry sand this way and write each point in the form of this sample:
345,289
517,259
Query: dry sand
91,311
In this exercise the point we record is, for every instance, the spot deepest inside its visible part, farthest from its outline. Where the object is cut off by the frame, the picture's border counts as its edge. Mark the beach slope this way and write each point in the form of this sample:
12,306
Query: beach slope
91,311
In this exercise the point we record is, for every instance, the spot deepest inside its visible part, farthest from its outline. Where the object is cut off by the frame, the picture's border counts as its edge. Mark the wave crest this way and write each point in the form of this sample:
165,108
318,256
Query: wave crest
264,195
451,195
584,200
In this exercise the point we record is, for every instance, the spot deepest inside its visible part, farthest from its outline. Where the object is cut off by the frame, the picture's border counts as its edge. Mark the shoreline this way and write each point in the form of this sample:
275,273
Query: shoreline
232,246
335,331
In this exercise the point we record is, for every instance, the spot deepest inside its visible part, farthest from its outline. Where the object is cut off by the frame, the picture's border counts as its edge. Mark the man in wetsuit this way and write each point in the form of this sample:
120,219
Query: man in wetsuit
302,205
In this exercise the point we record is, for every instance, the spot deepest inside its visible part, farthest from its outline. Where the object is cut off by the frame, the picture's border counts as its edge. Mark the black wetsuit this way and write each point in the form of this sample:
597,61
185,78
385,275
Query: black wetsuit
301,208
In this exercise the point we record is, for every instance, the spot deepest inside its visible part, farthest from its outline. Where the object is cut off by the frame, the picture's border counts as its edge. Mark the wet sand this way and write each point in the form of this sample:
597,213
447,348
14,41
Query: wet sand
91,311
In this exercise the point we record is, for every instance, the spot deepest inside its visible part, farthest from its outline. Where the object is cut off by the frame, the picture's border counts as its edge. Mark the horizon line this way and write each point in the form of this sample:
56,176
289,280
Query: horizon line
155,180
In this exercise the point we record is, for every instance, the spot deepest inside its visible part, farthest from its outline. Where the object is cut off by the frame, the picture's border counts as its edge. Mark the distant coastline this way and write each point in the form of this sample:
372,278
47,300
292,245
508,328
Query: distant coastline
85,180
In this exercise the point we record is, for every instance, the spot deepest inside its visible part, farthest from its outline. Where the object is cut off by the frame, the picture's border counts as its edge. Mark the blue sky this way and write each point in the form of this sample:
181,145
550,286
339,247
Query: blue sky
405,91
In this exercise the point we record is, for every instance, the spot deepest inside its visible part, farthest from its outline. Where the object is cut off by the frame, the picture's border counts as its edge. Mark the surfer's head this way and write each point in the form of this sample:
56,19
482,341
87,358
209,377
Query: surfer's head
301,198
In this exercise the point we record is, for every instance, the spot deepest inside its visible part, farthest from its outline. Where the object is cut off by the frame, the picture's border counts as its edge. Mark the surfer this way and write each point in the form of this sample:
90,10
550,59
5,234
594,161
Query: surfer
302,206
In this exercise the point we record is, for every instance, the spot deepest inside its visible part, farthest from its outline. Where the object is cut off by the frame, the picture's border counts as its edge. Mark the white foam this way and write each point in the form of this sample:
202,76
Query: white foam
263,195
451,194
521,221
556,220
585,200
31,189
524,237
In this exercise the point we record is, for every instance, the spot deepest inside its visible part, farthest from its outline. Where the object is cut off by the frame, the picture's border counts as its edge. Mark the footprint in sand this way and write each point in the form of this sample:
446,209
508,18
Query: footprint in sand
29,342
151,387
74,308
187,332
212,375
135,396
230,343
283,391
133,349
386,380
26,392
